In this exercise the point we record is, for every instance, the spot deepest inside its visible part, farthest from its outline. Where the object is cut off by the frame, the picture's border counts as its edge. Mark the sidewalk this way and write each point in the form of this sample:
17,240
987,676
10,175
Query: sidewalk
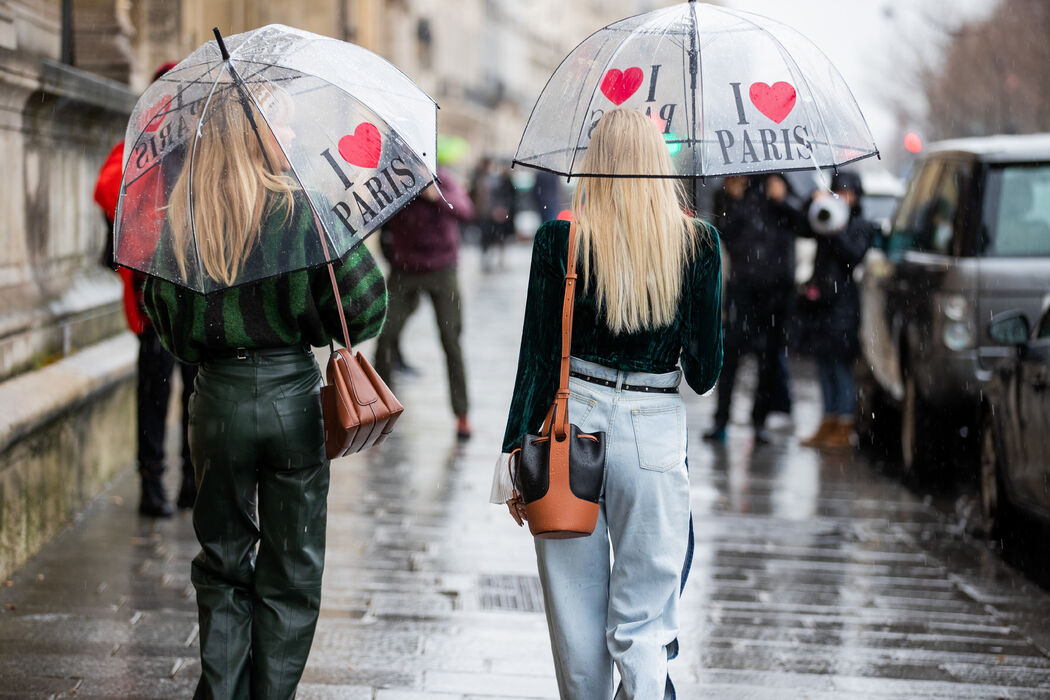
429,591
814,575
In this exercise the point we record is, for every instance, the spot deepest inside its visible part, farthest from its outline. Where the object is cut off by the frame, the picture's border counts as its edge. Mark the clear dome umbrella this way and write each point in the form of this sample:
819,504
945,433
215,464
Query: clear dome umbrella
733,92
349,134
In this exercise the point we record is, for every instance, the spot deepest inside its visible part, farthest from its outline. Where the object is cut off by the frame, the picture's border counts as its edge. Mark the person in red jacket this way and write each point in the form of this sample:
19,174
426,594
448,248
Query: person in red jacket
155,364
422,249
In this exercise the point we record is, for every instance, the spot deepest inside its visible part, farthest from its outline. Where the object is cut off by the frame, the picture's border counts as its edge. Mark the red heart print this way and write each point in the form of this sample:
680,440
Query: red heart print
151,119
775,101
363,147
618,85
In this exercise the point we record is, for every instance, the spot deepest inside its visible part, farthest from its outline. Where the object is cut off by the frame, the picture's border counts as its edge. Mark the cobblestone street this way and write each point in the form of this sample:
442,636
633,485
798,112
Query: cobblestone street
815,575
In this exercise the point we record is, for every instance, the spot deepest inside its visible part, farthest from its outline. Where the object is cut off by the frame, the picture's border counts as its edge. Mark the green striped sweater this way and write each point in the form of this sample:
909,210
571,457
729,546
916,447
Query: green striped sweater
296,308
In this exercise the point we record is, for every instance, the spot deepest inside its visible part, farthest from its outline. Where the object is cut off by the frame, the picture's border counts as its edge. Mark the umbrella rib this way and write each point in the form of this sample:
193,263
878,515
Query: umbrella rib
537,103
796,73
181,107
142,129
697,106
684,177
832,66
594,91
309,202
609,29
189,183
367,105
329,40
306,72
684,141
384,120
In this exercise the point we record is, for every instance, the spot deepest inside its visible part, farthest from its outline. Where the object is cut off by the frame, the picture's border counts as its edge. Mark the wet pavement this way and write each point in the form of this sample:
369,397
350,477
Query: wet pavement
815,576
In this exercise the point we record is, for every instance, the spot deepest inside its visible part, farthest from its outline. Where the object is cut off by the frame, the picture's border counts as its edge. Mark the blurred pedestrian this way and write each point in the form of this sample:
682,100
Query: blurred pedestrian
155,364
423,252
758,232
828,316
548,193
255,415
397,362
648,297
495,207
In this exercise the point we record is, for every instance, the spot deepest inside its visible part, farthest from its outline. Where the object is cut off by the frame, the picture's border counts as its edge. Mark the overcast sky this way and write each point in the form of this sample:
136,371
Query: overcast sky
871,41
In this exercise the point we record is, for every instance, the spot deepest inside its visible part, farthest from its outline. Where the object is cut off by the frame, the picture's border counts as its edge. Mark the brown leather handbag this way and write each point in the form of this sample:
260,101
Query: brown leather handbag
561,471
359,409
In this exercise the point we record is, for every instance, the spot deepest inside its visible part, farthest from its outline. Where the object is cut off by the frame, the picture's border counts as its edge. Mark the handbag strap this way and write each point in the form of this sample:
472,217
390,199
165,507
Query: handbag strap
560,417
335,287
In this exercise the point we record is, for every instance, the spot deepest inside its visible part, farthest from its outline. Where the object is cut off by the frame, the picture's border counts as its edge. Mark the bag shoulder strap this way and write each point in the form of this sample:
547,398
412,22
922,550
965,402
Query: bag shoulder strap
339,304
335,287
560,417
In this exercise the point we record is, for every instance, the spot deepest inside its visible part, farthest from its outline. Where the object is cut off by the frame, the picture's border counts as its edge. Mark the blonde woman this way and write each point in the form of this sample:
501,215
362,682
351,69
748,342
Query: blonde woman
256,432
649,298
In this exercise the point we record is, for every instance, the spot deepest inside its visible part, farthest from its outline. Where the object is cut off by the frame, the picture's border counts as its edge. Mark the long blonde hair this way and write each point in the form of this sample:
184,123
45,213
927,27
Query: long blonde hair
633,229
230,179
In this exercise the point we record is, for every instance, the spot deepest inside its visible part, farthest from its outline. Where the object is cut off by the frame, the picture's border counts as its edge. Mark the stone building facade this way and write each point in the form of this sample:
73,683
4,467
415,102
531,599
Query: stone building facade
60,408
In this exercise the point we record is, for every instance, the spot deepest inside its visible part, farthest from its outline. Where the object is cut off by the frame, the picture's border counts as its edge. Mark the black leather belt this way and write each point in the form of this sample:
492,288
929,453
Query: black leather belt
625,387
248,353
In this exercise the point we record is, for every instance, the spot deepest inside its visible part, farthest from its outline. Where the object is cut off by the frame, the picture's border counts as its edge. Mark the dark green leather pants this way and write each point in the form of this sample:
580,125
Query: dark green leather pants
257,441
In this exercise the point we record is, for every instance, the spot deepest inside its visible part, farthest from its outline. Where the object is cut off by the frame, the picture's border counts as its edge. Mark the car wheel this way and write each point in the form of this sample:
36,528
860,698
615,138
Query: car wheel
991,519
916,432
874,419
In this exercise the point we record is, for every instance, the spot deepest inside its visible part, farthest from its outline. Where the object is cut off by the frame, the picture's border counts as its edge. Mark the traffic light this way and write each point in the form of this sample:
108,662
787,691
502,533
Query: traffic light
912,142
674,142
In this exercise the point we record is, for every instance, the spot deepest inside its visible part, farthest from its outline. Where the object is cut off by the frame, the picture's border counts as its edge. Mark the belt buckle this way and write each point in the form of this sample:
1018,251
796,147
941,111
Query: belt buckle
242,353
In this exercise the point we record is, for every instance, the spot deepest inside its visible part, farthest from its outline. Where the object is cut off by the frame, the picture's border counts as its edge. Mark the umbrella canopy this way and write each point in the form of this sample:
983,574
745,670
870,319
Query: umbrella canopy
342,137
733,93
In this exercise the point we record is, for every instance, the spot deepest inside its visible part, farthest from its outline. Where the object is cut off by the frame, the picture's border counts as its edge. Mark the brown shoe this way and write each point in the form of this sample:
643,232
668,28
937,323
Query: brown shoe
841,437
462,428
817,439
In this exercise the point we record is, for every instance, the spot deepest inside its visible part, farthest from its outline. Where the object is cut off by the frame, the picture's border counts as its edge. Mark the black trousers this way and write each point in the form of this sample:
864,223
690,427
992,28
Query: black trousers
155,365
756,322
442,286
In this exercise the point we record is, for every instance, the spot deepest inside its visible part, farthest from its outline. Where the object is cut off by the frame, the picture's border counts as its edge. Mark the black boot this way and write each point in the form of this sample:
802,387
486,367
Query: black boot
188,491
154,502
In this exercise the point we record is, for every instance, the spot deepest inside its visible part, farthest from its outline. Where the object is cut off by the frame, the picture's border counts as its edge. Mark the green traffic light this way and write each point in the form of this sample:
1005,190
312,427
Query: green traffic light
673,143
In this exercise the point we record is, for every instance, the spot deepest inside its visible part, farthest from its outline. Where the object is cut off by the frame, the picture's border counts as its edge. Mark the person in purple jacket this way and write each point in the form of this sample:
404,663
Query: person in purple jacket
422,247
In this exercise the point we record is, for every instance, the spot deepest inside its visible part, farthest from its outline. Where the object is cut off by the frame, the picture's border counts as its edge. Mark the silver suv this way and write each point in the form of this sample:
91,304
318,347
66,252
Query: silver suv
970,239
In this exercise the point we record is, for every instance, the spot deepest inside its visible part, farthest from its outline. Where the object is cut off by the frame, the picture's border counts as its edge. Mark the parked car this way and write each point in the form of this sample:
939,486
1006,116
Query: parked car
971,238
1015,438
882,194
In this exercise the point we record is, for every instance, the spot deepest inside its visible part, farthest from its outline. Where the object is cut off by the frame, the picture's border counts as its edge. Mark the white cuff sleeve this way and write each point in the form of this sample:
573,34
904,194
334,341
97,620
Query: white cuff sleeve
502,486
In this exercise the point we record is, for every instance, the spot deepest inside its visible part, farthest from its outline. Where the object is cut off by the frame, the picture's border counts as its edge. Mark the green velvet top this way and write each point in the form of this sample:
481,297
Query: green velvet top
695,336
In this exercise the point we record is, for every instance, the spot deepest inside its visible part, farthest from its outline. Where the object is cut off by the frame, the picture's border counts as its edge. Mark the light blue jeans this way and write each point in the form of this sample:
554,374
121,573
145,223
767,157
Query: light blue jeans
627,612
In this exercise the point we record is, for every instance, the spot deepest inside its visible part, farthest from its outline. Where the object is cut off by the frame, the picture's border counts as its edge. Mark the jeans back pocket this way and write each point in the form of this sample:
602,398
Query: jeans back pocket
659,434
